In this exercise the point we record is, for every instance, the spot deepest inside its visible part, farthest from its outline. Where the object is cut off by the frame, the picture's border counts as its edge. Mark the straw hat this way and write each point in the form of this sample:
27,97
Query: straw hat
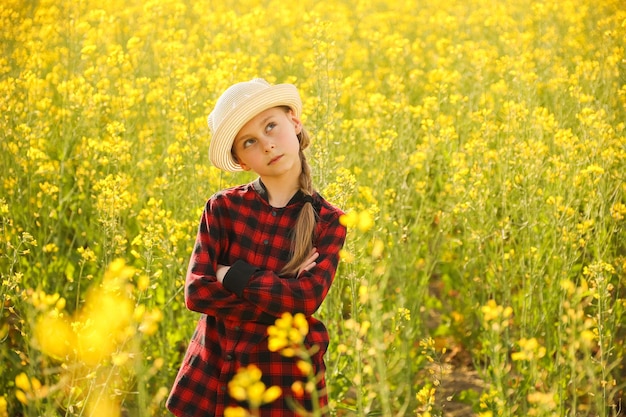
236,106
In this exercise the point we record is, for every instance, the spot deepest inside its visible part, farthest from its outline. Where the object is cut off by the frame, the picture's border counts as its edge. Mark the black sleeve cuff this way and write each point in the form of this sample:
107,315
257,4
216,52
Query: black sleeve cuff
238,276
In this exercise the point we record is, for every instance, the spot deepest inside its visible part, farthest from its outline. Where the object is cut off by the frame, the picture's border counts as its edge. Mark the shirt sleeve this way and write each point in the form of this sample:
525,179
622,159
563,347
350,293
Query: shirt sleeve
275,295
203,292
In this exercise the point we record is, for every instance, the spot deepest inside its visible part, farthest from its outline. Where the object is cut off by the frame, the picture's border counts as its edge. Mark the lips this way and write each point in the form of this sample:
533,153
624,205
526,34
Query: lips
275,159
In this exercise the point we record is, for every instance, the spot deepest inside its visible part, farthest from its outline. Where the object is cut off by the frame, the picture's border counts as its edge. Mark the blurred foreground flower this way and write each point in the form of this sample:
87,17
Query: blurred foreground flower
287,334
103,407
96,330
247,386
363,220
92,340
287,337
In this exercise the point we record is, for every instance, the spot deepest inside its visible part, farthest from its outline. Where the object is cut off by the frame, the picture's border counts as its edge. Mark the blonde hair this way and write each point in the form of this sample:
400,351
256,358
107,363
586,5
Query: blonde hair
303,233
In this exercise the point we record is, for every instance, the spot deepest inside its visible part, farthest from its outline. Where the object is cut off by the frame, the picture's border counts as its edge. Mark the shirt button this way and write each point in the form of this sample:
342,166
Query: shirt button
265,242
237,328
274,213
229,357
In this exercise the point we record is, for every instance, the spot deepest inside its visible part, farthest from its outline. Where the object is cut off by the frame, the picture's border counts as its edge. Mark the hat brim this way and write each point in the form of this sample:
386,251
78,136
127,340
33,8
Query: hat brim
224,136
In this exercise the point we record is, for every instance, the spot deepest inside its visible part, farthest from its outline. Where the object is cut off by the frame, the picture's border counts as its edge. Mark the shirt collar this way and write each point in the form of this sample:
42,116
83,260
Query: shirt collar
259,187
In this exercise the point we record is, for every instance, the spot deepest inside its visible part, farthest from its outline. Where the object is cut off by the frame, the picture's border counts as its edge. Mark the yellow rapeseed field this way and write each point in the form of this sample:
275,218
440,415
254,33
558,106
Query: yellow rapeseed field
478,148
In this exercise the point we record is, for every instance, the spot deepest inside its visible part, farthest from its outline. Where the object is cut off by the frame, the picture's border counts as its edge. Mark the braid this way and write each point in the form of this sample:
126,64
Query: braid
303,232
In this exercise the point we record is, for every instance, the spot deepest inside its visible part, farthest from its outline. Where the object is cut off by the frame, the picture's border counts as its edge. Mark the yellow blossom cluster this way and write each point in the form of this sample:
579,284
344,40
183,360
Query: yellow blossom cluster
91,338
361,220
28,389
287,334
247,386
95,332
530,350
496,317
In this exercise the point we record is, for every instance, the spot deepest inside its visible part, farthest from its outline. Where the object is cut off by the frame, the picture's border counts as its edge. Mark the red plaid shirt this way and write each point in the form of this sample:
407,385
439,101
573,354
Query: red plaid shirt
239,228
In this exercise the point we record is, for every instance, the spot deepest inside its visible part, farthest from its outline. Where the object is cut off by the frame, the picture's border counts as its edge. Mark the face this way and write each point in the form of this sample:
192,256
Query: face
268,144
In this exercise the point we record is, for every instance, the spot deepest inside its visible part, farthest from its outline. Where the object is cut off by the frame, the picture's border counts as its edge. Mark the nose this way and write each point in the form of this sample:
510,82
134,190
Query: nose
268,144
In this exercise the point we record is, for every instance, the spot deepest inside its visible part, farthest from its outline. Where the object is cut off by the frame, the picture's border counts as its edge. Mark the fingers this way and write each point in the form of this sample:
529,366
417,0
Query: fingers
308,266
309,263
314,255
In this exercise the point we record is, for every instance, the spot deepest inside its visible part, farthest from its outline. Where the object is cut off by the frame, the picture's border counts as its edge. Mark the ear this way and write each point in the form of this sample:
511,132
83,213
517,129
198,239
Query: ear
296,121
238,160
243,166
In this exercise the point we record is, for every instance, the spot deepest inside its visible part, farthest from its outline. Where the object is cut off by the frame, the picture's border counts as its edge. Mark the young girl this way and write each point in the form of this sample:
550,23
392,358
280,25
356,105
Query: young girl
262,249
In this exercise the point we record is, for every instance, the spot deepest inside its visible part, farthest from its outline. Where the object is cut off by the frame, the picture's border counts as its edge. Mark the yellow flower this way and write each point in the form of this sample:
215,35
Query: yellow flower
21,397
530,350
301,324
426,395
544,400
349,219
496,316
346,256
3,407
235,412
378,246
151,319
143,282
491,311
119,359
365,221
298,389
618,211
103,407
287,334
362,220
87,254
54,335
246,385
28,388
118,271
23,382
305,367
103,322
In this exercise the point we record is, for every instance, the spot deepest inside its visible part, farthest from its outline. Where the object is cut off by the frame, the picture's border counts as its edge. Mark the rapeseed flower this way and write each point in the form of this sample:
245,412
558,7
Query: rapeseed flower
3,406
530,350
54,335
287,334
362,220
28,389
496,317
247,386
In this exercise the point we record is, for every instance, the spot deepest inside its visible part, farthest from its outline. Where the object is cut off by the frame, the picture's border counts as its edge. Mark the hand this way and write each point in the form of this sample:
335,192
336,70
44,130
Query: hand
309,262
221,272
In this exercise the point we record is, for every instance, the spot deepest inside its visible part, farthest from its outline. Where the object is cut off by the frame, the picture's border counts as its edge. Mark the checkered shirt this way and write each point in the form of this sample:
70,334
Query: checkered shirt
239,228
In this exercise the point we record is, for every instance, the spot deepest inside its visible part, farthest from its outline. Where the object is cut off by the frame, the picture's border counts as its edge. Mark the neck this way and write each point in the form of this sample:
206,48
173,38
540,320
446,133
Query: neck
280,190
279,193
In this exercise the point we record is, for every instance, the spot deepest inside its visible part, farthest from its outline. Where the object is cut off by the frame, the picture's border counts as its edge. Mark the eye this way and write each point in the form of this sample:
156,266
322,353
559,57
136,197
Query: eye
247,143
270,126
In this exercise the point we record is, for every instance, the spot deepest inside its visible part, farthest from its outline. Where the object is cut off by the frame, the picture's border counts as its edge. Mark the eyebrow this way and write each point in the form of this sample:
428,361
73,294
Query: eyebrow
265,119
261,123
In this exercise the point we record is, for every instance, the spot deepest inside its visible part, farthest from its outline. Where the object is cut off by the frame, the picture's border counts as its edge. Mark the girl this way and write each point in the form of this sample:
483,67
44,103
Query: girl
262,249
